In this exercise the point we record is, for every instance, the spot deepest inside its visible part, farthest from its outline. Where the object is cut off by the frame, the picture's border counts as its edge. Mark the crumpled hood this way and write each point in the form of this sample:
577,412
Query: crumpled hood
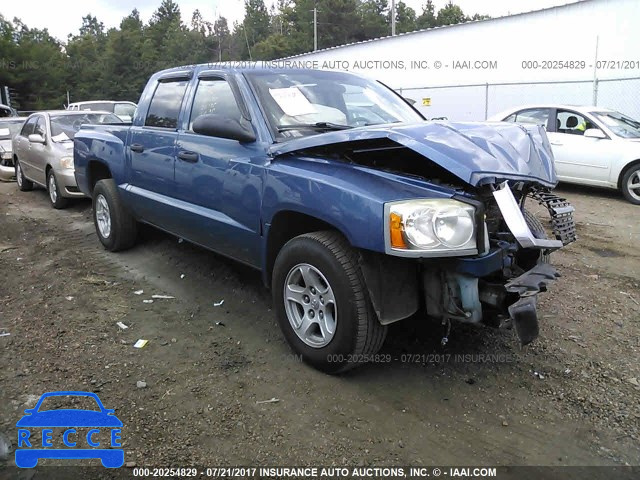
477,153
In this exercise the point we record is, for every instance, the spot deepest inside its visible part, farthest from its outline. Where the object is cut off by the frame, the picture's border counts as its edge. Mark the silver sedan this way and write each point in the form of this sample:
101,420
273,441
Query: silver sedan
43,152
9,128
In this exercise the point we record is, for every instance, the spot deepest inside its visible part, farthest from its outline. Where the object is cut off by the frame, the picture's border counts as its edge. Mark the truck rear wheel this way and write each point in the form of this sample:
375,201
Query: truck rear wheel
115,226
322,303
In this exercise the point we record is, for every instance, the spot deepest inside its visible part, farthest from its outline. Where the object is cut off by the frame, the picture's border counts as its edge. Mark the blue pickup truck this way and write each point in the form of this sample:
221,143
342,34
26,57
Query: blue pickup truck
357,211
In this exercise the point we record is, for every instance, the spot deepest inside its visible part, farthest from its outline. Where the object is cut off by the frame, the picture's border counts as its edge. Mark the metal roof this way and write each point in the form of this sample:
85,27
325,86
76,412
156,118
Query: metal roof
569,3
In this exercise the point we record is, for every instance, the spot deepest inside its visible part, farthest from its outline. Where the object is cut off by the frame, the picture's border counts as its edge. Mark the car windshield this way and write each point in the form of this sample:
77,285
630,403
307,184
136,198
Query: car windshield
96,107
64,127
620,124
124,109
9,129
300,103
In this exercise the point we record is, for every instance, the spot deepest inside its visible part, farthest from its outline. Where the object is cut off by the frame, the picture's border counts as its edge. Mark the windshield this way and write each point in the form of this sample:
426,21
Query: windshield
299,103
621,125
96,107
64,127
10,129
124,109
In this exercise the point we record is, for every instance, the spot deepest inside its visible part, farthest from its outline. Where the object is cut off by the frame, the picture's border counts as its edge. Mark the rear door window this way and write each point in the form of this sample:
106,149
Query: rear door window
533,116
165,104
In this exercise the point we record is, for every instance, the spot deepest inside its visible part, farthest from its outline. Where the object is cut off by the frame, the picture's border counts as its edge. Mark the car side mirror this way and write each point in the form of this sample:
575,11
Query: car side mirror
36,138
214,125
594,133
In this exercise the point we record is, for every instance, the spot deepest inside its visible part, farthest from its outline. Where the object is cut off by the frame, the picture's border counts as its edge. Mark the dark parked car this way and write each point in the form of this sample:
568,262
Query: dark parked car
354,223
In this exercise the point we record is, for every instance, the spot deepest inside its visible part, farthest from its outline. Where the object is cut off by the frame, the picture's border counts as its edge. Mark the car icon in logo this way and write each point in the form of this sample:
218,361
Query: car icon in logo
27,456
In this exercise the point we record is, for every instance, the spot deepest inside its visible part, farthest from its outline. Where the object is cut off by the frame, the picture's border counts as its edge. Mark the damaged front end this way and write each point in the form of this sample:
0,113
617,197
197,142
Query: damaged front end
478,256
499,286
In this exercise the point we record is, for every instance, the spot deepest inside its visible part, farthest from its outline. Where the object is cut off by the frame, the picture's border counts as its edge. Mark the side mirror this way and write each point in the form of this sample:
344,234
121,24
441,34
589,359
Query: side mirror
410,101
594,133
36,138
214,125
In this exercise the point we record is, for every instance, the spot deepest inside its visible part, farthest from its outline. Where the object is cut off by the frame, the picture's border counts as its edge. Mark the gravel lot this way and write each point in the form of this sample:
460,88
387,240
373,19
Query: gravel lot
571,398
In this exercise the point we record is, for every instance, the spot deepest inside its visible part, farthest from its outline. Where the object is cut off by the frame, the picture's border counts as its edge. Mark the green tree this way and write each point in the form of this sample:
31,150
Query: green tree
37,66
85,52
374,19
405,18
256,21
427,18
123,60
450,14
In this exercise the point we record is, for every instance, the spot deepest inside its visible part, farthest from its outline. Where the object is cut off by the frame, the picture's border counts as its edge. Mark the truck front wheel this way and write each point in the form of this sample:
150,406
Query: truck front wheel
115,226
322,303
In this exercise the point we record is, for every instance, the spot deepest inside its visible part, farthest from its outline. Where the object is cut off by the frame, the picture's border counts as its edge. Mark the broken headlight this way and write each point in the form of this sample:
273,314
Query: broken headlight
435,227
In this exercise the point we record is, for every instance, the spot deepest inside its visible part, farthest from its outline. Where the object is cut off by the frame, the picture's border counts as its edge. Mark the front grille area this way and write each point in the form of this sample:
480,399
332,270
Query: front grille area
561,211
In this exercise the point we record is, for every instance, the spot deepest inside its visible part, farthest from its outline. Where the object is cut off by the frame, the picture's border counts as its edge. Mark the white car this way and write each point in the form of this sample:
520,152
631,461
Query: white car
591,145
123,110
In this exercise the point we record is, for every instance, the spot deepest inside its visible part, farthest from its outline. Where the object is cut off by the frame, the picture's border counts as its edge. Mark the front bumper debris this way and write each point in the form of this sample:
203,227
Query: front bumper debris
527,286
561,211
514,219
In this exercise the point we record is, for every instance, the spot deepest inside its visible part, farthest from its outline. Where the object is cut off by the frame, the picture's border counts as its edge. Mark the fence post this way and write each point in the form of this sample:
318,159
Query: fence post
595,73
486,100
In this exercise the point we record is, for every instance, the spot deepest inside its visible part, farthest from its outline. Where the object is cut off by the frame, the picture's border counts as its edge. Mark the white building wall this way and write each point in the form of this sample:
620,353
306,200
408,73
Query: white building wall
566,33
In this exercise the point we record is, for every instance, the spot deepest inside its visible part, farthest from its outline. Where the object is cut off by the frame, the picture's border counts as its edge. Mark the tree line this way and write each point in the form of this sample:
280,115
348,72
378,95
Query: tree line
115,63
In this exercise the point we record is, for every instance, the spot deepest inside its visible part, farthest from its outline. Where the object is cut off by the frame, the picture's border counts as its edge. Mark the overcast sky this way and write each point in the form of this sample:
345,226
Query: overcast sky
62,17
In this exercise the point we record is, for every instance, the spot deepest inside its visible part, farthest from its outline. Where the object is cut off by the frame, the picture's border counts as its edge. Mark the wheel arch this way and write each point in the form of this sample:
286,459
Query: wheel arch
96,171
625,169
285,225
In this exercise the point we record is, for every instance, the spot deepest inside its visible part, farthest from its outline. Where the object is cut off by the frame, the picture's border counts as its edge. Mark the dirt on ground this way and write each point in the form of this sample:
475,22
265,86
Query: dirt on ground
570,398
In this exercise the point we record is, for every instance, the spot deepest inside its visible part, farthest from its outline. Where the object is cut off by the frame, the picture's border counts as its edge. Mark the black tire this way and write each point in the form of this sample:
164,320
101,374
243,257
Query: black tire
52,183
123,226
24,184
358,333
632,172
538,231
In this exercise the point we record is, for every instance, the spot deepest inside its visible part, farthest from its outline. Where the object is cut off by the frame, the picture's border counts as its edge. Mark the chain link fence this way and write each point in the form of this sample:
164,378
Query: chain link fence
481,101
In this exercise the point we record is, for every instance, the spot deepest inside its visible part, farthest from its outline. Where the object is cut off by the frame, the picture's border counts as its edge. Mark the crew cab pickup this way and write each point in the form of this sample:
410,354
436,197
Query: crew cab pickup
357,211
